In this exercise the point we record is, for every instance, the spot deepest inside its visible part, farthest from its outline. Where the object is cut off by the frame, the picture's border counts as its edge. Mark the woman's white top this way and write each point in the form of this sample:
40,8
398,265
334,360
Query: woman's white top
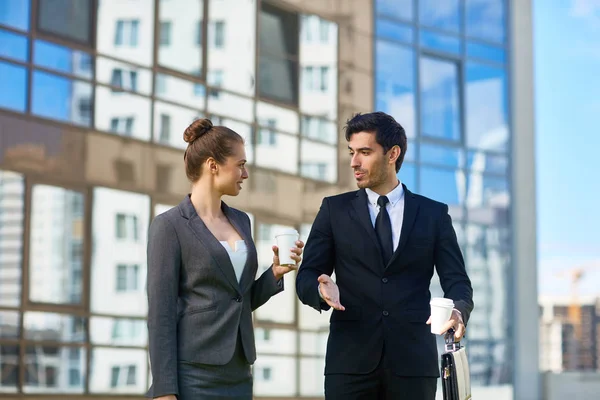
237,256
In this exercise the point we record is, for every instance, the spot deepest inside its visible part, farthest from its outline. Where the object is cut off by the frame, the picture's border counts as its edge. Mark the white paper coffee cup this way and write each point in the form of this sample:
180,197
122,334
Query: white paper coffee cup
286,241
441,311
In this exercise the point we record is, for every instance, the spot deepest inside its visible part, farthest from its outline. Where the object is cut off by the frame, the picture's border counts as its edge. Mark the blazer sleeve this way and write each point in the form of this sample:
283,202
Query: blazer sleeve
450,267
164,261
318,258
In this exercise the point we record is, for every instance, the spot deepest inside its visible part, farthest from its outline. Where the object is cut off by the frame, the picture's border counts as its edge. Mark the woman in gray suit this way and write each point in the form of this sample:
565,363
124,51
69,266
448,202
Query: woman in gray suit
201,268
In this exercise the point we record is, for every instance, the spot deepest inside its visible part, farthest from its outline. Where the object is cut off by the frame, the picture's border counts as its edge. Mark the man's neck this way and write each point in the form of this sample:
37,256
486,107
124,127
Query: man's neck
386,187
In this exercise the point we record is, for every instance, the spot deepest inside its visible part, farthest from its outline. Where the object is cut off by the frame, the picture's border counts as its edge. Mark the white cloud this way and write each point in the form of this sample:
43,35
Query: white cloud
585,9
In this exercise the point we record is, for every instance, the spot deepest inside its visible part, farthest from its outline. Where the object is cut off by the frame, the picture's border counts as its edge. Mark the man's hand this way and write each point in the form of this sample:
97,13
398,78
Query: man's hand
167,397
330,292
280,270
455,322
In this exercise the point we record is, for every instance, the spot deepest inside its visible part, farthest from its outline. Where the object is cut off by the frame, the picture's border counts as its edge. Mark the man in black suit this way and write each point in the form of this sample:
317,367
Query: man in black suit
383,242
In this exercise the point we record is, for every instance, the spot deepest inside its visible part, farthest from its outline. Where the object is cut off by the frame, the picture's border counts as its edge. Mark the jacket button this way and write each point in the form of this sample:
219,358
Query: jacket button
385,313
384,280
238,299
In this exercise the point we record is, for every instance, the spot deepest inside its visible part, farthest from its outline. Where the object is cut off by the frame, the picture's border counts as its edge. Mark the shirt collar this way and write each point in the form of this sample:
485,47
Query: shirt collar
394,196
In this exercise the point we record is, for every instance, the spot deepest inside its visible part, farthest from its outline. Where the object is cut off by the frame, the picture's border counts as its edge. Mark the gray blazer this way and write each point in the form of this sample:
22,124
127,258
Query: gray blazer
195,305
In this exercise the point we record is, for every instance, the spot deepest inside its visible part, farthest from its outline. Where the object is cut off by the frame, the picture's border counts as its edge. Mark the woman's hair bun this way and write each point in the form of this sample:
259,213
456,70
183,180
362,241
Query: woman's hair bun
196,129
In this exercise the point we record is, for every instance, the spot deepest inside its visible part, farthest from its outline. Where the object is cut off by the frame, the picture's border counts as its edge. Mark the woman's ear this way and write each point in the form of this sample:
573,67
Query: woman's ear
212,165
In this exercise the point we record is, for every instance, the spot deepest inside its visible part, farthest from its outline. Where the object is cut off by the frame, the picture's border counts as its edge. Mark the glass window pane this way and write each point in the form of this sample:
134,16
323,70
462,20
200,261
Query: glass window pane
283,340
129,33
440,114
118,331
170,122
386,29
278,32
56,238
230,105
180,91
401,9
318,63
70,19
441,155
15,13
279,118
411,152
487,108
486,52
54,369
313,380
13,45
40,326
408,176
62,99
439,42
278,79
478,161
488,199
184,52
118,371
62,59
276,151
396,92
318,161
245,131
313,343
122,113
119,227
124,76
319,129
9,373
12,194
440,14
485,19
275,375
445,185
232,42
9,326
13,80
280,308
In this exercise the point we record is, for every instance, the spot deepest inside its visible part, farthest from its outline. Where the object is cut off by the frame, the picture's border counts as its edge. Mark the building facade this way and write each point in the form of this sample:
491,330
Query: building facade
94,98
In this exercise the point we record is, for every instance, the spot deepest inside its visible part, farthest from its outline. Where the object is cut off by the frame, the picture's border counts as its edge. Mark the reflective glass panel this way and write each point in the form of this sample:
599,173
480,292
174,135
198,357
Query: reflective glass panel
276,150
40,326
9,325
54,369
122,113
318,63
481,162
441,155
485,19
62,99
318,161
118,371
118,331
230,105
13,45
56,240
439,42
180,47
319,129
408,176
395,93
488,199
70,19
13,80
9,374
440,113
486,52
15,13
278,79
486,108
386,29
62,59
283,308
275,375
267,340
313,380
170,122
12,194
279,118
411,152
440,14
245,131
123,76
445,185
401,9
232,43
125,30
313,343
180,91
119,227
278,31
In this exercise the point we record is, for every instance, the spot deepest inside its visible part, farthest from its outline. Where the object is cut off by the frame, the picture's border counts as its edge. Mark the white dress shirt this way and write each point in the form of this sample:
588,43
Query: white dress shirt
395,209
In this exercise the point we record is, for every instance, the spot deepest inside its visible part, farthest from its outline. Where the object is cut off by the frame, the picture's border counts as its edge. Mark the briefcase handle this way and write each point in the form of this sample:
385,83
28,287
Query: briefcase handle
451,344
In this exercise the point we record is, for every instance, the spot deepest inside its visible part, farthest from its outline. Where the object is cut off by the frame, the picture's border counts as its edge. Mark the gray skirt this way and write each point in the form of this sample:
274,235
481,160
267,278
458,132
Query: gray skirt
232,381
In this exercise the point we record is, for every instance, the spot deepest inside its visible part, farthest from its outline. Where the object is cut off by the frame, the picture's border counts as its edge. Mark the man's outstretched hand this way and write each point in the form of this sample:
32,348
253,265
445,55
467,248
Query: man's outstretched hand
329,292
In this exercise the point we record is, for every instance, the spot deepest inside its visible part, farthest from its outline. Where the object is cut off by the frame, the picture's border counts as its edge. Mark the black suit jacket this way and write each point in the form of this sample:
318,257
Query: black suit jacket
386,305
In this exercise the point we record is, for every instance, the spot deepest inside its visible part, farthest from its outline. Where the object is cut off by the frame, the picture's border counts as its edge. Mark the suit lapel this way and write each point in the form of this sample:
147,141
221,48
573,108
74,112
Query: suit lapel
247,278
360,213
411,207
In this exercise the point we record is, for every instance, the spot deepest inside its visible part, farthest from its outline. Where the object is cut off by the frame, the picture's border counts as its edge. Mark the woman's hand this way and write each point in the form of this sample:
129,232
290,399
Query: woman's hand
167,397
280,270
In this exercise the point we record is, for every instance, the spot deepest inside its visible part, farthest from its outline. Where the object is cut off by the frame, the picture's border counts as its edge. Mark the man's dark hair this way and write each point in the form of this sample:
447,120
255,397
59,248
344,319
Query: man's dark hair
388,132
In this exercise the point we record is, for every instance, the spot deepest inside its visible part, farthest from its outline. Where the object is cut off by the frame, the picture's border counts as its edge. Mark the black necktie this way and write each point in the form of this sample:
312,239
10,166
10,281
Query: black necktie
383,228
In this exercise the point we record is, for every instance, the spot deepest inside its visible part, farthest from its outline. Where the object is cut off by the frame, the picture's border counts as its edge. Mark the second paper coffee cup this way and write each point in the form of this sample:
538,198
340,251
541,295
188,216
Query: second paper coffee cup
286,241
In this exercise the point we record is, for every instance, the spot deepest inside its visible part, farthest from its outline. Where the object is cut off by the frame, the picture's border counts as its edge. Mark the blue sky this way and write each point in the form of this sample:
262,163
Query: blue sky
567,80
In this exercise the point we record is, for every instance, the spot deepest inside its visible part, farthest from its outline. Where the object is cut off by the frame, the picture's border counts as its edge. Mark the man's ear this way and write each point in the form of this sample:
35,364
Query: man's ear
394,153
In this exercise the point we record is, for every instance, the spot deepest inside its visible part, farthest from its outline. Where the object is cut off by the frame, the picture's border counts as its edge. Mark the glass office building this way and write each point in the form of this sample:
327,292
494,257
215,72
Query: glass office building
94,98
